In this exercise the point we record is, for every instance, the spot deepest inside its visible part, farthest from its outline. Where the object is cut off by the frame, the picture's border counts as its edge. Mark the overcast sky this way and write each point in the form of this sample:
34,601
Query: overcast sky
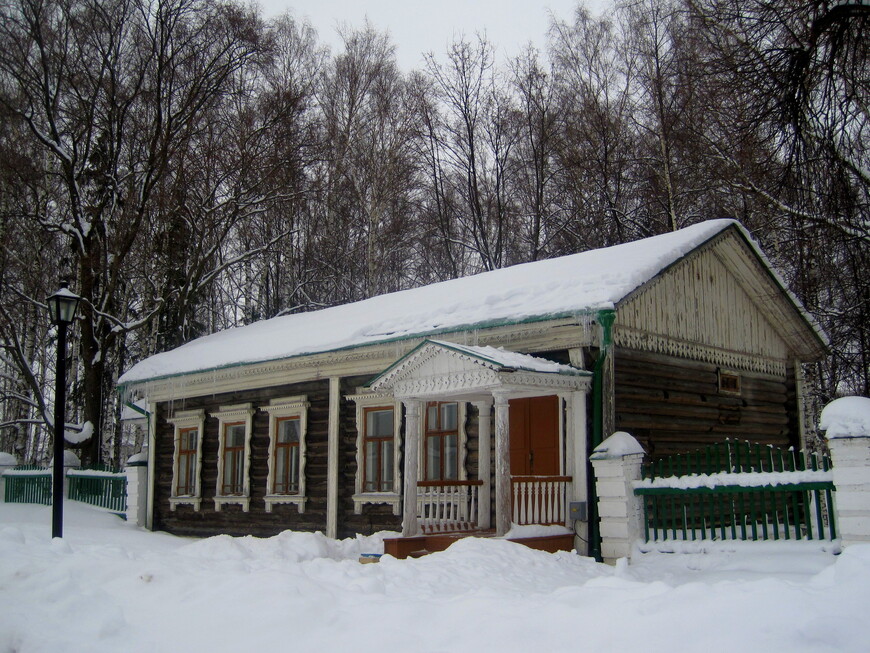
418,26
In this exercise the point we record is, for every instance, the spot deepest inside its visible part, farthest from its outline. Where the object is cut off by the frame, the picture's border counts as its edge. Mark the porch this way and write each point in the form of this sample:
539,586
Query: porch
530,447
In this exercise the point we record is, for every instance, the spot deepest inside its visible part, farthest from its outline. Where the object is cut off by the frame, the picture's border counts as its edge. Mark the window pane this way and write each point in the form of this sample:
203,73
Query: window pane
449,414
293,471
451,458
433,458
288,431
432,417
379,423
371,467
387,466
280,471
188,439
235,435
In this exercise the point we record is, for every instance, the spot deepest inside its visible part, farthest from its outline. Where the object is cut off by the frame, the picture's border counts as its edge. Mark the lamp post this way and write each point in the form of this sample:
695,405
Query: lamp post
62,308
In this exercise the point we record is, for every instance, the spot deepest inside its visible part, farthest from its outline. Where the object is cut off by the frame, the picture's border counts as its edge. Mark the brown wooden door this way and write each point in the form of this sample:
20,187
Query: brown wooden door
534,436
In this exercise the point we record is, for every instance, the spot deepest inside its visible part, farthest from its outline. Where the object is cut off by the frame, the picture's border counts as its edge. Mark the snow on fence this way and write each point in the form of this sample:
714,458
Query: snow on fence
738,491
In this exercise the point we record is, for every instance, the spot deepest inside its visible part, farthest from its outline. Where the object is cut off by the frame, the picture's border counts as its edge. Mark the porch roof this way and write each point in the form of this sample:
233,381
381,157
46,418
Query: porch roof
444,369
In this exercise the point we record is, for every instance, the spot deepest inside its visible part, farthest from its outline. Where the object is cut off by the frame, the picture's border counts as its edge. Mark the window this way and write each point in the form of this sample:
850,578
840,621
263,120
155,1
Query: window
729,382
379,448
287,425
234,454
286,458
188,447
378,477
442,441
187,458
234,459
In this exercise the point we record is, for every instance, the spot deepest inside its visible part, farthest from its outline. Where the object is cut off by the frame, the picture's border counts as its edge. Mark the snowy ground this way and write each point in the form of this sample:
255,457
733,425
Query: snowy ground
108,586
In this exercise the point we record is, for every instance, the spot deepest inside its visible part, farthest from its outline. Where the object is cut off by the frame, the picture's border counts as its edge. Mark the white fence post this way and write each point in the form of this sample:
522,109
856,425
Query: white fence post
7,461
616,463
137,488
846,423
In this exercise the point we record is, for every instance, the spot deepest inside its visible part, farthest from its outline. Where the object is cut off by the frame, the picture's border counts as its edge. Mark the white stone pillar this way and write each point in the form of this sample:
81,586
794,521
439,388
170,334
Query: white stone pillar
137,489
502,465
484,465
850,457
617,462
412,457
7,462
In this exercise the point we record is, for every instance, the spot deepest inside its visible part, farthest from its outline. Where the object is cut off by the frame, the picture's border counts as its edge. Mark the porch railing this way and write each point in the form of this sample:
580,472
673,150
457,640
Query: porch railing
539,499
447,506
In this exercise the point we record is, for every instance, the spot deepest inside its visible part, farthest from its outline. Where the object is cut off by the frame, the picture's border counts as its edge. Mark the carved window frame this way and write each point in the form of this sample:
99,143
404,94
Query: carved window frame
229,416
184,421
279,410
729,382
363,403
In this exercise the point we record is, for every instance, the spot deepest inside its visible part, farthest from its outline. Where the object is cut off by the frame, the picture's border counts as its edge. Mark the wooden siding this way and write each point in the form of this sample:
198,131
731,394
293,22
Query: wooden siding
184,520
699,309
673,405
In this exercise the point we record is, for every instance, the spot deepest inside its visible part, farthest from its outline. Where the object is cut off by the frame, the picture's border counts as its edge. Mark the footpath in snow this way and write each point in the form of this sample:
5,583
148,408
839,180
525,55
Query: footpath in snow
109,586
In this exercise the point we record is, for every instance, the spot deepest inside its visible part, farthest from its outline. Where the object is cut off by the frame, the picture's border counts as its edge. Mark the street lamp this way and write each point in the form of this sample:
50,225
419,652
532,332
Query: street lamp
62,308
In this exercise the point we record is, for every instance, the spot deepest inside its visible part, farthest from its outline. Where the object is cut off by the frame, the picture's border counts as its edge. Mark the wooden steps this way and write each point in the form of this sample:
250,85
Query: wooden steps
420,545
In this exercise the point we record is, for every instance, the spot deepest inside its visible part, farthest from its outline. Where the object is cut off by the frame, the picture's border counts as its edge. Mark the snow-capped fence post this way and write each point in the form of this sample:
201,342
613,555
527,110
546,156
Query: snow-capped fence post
616,463
846,423
137,488
7,462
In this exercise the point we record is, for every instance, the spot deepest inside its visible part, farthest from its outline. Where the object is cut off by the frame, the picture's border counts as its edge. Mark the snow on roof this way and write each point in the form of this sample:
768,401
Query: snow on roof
512,359
559,287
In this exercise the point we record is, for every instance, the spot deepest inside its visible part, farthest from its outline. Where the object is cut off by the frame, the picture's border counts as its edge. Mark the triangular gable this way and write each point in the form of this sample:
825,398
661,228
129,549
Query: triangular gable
435,369
725,296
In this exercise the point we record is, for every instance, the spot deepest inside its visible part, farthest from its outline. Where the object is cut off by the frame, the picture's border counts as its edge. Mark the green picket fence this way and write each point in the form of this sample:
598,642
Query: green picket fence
105,489
27,484
738,491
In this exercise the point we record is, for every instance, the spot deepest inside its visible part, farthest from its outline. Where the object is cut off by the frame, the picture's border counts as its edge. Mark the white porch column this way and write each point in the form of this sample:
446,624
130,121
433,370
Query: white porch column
332,456
502,465
577,449
412,455
484,469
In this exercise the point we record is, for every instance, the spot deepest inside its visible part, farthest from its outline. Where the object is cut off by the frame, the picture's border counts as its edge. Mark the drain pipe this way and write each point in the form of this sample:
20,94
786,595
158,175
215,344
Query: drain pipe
605,319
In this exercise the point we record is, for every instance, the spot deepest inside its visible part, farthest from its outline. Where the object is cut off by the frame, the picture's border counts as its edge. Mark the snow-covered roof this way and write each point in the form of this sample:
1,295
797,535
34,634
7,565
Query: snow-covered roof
548,289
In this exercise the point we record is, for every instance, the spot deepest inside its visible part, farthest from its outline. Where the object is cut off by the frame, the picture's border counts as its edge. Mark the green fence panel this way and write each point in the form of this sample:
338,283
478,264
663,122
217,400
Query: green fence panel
31,488
101,490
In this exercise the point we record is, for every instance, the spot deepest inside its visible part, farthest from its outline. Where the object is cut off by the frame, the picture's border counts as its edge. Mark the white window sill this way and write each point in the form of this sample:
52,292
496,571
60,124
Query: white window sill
273,499
389,498
244,502
185,501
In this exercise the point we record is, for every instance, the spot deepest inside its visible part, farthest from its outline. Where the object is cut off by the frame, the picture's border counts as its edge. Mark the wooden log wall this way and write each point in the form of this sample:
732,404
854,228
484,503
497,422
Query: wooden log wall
672,405
374,517
184,520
